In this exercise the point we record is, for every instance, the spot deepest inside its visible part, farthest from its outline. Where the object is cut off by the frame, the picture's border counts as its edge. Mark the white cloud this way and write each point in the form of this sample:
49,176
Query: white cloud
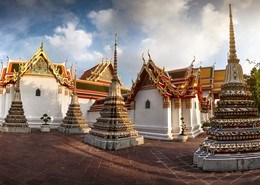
73,43
174,33
107,22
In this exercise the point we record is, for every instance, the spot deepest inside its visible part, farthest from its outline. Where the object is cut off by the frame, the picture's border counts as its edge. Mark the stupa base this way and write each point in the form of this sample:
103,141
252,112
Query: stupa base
226,162
76,130
113,144
16,129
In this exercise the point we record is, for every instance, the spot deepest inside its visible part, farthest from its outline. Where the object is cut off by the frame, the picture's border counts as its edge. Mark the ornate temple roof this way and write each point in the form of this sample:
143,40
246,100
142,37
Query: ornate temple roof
182,83
101,72
38,64
219,77
211,79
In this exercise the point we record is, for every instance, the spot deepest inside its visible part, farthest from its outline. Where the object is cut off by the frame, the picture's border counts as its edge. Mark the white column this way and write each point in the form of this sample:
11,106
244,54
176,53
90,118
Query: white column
166,119
176,116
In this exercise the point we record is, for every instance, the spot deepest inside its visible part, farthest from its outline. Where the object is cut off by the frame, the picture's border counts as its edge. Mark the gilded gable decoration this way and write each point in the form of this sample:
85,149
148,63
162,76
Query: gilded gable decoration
100,72
40,64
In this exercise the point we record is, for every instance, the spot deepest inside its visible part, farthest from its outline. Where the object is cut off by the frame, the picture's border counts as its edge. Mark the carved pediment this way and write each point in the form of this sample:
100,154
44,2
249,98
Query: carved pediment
39,67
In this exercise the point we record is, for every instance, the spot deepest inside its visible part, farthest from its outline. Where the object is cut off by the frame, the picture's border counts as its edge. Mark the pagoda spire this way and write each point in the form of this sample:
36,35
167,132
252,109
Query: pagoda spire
234,72
232,43
115,76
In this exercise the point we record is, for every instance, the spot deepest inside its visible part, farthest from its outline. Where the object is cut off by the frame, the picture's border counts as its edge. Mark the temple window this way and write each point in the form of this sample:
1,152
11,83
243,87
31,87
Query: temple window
38,92
147,104
195,105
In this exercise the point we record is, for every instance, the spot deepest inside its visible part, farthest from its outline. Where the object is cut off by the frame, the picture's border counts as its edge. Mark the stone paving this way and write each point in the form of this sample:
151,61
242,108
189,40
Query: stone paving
53,158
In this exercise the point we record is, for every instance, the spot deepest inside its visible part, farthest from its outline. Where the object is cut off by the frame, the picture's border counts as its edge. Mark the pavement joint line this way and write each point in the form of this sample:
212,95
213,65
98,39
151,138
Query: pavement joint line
154,150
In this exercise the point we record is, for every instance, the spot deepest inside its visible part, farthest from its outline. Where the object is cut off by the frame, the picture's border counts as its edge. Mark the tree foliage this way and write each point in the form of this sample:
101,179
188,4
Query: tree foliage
253,80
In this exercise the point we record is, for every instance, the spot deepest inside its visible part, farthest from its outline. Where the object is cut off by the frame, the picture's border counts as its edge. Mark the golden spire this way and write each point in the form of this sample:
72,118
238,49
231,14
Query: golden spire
115,58
232,44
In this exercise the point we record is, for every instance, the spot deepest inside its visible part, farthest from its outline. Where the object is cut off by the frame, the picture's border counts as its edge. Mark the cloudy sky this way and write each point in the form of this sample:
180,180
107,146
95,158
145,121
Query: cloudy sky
82,31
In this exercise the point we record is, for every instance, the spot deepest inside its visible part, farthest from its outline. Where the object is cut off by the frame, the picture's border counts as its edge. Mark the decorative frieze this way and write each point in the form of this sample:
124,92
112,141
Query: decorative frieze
7,88
166,102
177,103
66,91
188,103
59,89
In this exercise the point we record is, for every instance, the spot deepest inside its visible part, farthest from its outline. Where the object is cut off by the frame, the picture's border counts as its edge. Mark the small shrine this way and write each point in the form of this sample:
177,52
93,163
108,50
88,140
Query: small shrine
74,122
114,129
16,121
233,141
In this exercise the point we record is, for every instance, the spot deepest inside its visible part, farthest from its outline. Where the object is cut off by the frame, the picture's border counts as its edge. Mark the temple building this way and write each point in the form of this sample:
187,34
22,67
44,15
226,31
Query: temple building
158,99
166,96
46,87
232,142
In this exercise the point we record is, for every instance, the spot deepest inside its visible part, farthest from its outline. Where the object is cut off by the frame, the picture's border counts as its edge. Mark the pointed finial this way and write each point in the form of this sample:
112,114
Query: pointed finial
143,58
115,57
41,46
192,63
148,52
7,58
232,44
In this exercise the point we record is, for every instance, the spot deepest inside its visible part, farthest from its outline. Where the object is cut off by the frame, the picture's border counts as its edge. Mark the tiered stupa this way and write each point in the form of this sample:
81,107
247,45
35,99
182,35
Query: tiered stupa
114,130
233,142
16,121
74,122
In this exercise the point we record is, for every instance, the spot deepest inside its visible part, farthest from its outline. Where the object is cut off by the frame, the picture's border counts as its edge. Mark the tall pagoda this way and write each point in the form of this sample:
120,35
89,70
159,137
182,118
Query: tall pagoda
16,121
114,129
233,142
73,122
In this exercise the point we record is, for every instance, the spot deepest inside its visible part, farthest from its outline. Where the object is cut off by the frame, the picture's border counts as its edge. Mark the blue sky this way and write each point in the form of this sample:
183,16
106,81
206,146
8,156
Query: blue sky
82,31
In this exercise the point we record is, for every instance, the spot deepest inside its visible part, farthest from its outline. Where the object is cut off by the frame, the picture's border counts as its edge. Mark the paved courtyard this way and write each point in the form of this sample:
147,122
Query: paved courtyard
53,158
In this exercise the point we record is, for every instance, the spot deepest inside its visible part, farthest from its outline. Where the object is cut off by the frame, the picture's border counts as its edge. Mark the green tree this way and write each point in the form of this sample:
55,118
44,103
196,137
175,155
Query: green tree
253,80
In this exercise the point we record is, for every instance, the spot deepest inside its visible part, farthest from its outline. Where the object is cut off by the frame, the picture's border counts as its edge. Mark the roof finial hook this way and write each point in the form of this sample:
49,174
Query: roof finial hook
194,58
143,58
148,52
41,46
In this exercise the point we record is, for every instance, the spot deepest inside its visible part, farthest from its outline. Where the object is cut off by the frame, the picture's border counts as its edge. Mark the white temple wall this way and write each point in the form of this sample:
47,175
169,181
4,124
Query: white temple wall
50,102
154,122
92,117
85,105
6,99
